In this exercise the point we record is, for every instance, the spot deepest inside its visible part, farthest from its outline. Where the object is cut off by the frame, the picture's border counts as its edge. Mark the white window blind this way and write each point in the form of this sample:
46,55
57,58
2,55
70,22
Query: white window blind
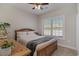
47,27
54,26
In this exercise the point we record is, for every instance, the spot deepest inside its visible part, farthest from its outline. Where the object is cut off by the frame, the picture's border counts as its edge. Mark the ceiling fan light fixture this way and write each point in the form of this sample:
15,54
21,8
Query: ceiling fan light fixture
38,5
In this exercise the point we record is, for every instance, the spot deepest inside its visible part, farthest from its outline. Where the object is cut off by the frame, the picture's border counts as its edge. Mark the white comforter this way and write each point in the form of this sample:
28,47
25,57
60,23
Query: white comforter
25,39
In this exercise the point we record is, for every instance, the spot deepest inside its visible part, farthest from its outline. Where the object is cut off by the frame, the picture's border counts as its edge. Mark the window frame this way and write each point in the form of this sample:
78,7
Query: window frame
51,24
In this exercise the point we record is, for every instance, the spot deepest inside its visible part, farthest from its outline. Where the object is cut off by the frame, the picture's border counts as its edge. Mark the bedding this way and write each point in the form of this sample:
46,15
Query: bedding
24,39
32,44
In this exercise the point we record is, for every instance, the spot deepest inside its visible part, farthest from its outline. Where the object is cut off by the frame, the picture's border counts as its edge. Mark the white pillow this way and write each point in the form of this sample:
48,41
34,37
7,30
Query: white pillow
26,35
21,34
31,33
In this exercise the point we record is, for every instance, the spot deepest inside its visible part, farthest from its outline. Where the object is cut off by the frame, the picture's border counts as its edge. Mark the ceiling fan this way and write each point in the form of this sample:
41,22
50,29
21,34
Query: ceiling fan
38,5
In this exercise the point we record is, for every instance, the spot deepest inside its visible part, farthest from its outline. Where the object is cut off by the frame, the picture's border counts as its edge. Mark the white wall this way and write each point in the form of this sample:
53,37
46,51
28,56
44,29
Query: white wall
77,29
17,18
69,12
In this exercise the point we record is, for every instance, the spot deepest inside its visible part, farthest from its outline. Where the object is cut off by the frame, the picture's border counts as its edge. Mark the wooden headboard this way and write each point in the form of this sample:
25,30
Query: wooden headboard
22,30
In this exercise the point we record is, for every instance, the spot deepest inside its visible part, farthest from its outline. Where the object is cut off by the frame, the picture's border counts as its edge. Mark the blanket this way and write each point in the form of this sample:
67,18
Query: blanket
32,44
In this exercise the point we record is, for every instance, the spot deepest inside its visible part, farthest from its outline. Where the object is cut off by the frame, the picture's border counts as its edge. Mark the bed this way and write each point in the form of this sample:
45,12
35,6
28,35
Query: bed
43,49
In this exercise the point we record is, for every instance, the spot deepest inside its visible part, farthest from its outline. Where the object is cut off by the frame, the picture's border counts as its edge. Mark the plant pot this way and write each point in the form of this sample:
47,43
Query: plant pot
5,51
3,35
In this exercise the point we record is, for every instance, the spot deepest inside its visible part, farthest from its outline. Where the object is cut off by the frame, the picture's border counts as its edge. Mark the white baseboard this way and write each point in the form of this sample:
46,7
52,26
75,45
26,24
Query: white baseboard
67,46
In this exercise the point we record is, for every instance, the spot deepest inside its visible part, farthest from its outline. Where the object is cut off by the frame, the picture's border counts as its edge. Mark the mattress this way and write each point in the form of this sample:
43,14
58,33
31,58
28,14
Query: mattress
24,40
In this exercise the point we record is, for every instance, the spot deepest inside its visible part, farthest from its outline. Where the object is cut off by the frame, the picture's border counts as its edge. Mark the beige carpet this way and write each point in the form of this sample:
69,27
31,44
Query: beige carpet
62,51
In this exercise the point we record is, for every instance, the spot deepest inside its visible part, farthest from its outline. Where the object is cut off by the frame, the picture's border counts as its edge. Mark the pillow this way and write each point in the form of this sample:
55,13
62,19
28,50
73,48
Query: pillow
21,34
25,35
31,33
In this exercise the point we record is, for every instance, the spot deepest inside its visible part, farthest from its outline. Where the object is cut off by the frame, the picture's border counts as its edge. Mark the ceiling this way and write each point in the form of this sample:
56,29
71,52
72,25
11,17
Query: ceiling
46,8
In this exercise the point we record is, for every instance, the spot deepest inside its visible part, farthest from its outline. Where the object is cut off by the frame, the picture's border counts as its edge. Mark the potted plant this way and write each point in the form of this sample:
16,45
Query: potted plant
5,48
3,31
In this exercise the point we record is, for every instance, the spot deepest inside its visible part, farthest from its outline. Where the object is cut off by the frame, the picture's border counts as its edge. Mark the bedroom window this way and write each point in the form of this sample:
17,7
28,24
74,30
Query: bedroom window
54,26
47,27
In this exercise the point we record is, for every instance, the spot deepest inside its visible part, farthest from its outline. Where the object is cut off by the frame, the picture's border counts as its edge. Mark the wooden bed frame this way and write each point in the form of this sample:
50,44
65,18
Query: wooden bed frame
46,51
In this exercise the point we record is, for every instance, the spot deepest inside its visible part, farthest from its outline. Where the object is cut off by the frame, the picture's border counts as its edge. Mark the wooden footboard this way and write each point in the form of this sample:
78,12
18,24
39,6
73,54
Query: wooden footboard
48,50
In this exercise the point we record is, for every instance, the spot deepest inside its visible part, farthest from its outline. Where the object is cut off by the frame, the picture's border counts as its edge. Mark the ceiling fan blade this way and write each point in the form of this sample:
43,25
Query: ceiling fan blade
30,3
33,8
40,3
44,3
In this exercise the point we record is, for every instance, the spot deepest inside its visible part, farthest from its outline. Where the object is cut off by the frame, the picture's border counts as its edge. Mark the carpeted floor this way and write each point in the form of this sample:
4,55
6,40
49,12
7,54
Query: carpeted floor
62,51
